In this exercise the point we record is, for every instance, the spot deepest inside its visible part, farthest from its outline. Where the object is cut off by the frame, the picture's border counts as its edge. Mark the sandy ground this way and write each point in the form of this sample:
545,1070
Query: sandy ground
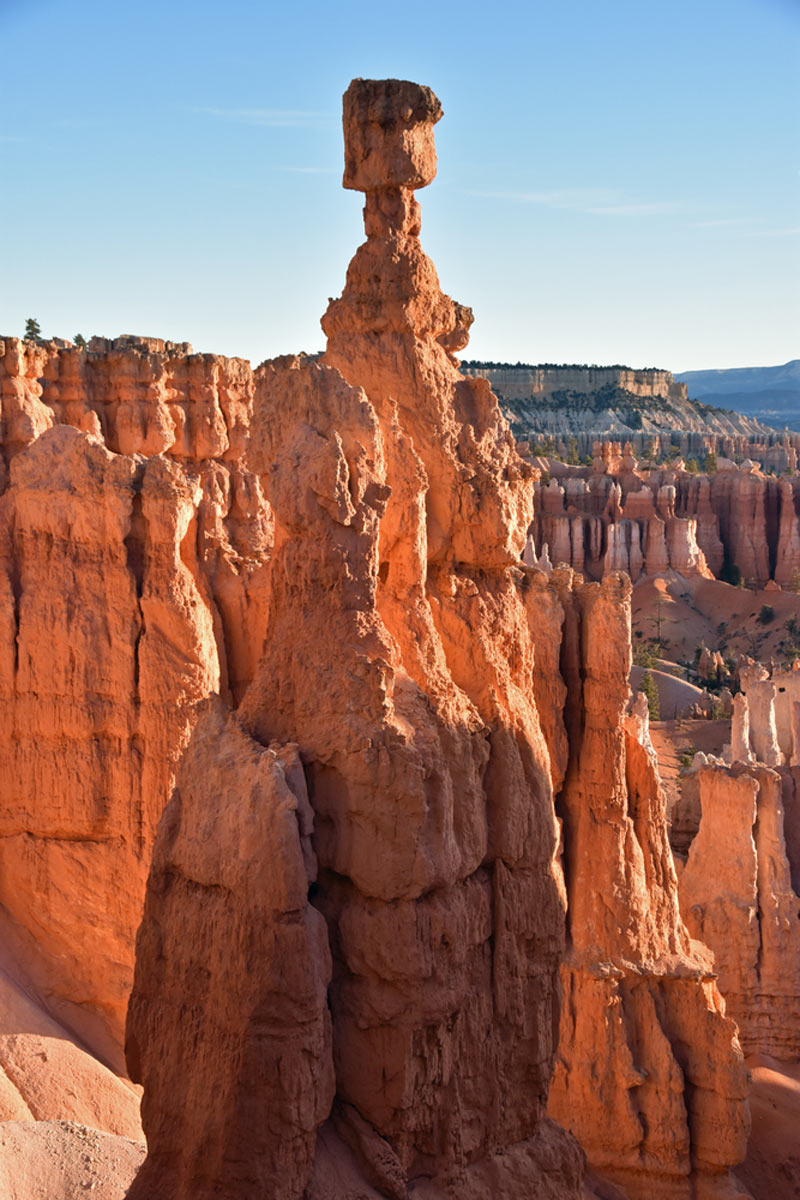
675,696
671,739
61,1160
772,1168
690,611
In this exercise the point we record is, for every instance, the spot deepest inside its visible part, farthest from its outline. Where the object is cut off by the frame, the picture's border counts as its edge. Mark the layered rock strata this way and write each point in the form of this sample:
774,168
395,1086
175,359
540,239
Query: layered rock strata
621,514
565,400
738,893
648,1072
133,547
400,514
740,890
347,976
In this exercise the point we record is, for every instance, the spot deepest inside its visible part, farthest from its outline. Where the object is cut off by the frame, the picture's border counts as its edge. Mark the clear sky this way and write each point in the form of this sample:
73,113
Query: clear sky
619,180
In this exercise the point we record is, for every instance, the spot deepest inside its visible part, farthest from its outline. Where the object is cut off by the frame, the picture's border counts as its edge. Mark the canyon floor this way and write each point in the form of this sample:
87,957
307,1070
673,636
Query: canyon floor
685,613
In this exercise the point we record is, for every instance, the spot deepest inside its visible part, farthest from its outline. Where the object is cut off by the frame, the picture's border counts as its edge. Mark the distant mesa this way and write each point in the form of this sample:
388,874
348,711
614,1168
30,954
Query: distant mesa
602,401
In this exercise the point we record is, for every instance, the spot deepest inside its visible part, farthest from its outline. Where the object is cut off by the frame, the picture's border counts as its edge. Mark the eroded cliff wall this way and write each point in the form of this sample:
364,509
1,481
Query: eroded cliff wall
400,512
621,514
291,602
133,547
433,750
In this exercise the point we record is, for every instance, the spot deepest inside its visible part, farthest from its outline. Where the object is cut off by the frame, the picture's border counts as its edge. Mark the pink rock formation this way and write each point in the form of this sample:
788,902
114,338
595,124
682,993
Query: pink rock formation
648,1073
708,538
400,513
685,556
740,730
738,498
347,976
787,566
130,589
794,756
711,664
656,553
696,525
761,692
737,896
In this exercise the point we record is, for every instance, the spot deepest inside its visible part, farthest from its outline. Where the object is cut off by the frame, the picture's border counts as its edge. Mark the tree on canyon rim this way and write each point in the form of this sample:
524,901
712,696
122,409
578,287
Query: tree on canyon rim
33,330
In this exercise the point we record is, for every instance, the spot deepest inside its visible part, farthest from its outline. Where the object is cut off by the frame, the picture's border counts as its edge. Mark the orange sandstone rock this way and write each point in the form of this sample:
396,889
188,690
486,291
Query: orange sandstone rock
228,1020
130,589
737,896
400,512
347,977
648,1074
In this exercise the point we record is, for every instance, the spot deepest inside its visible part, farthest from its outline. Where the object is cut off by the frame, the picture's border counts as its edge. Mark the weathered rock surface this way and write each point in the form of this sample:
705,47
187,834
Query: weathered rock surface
416,753
620,514
130,589
61,1160
228,1018
737,896
400,512
649,1075
603,401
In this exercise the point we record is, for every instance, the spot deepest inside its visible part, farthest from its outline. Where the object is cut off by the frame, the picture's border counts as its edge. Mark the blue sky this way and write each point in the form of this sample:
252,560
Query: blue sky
618,181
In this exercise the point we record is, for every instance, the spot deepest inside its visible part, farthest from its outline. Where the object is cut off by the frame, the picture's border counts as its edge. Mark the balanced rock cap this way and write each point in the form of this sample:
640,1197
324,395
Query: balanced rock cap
388,134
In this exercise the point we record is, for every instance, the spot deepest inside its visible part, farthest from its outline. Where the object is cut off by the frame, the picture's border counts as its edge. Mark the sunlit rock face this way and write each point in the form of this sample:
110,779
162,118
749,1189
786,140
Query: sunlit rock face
737,894
621,513
282,617
398,661
649,1075
133,548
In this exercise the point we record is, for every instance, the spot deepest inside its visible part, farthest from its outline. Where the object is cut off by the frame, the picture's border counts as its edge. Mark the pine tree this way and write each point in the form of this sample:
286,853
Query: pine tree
80,341
650,689
33,330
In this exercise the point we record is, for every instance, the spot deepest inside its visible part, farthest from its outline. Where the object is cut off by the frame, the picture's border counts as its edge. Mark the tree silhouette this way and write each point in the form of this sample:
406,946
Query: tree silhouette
33,330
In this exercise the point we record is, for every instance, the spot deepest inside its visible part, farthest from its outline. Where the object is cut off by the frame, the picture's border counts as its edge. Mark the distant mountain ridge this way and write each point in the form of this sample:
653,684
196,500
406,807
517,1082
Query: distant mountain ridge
768,394
611,401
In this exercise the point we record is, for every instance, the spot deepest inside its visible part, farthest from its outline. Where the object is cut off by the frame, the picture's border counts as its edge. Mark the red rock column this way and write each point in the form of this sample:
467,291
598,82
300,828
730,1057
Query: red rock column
398,660
648,1073
737,896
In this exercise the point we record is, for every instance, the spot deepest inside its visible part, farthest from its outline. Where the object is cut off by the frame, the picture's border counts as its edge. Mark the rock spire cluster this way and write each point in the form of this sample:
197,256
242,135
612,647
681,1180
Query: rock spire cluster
277,644
621,514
